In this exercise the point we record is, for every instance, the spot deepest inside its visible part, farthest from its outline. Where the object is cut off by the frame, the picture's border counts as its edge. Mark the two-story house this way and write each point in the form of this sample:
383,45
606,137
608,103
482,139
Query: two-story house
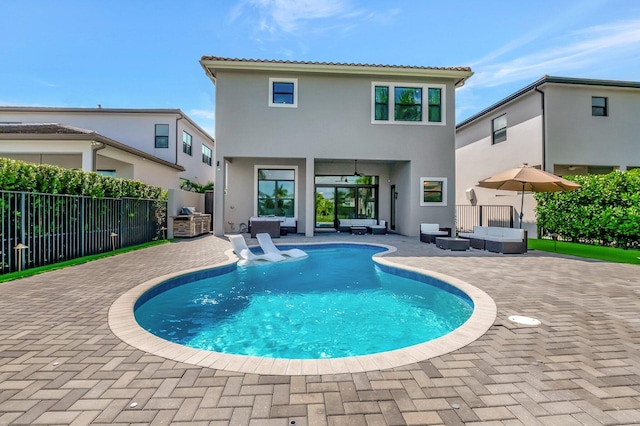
566,126
156,146
321,142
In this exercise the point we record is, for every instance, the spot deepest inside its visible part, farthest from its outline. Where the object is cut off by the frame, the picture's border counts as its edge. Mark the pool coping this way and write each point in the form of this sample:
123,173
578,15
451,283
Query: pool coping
122,322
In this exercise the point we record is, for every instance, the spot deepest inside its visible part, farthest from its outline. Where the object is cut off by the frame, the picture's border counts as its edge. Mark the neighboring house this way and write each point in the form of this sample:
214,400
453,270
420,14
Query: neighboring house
156,146
75,148
320,142
566,126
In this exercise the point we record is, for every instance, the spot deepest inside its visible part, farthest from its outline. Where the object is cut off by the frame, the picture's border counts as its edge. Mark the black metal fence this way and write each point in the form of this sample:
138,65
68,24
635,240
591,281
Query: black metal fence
468,216
42,229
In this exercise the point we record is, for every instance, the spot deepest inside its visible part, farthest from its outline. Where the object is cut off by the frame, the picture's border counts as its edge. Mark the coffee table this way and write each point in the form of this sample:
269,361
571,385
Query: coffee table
358,230
453,244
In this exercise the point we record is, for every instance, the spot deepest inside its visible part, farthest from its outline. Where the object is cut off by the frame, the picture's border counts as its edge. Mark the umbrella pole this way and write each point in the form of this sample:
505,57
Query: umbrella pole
522,205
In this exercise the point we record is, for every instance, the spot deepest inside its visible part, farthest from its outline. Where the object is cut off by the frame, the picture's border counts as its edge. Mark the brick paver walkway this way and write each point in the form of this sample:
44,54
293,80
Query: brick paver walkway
61,364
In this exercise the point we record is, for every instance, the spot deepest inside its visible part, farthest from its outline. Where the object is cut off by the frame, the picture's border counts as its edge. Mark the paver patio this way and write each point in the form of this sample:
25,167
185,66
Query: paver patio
61,364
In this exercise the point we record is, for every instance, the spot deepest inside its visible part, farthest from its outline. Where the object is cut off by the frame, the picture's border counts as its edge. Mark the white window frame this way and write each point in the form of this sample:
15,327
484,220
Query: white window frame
257,167
425,103
210,155
190,138
283,80
494,131
444,192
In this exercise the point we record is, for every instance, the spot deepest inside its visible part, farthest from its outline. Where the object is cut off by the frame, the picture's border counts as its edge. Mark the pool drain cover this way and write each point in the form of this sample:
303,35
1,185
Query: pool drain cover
524,320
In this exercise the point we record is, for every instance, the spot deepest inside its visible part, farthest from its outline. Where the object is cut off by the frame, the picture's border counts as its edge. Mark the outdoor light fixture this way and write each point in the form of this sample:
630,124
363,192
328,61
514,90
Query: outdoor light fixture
355,173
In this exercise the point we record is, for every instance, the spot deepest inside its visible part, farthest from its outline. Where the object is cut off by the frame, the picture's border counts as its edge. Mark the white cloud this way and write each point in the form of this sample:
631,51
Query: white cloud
205,119
586,48
44,83
202,113
292,16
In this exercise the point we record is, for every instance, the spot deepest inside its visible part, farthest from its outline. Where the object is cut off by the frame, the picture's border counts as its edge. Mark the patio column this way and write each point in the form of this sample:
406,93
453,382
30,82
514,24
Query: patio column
310,199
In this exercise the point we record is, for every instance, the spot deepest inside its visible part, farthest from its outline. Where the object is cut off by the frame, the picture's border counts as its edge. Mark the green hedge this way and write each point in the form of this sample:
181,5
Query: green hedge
605,210
28,177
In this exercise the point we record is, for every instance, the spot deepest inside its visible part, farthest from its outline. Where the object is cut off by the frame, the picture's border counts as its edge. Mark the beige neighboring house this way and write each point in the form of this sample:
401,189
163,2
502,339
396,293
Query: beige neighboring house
157,146
566,126
75,148
320,143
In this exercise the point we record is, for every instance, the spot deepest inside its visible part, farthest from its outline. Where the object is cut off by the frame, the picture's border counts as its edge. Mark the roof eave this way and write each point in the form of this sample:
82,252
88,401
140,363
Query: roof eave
211,66
89,137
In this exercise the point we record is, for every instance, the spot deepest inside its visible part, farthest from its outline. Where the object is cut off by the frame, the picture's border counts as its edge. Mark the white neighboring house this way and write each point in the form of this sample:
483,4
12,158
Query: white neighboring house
156,146
566,126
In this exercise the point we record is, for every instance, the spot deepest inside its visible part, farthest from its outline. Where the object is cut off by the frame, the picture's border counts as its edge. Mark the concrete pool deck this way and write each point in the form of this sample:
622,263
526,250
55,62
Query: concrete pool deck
60,363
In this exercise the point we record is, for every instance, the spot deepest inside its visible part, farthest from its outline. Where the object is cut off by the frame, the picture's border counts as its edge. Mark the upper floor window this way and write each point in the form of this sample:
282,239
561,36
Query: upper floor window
599,106
283,92
186,143
499,125
381,103
407,103
435,105
206,154
162,136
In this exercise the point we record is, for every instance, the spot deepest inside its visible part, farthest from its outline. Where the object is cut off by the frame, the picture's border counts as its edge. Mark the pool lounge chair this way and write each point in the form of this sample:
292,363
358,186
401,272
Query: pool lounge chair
240,248
268,247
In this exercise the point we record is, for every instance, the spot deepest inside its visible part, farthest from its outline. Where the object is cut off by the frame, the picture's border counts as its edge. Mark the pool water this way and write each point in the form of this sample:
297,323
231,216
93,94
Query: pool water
335,303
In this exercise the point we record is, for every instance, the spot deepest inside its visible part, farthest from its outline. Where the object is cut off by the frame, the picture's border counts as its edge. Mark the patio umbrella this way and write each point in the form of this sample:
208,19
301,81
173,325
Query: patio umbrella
527,178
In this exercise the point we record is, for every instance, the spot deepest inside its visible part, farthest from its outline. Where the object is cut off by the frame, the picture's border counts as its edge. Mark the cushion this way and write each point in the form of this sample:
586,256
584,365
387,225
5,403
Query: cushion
513,233
429,227
494,231
480,230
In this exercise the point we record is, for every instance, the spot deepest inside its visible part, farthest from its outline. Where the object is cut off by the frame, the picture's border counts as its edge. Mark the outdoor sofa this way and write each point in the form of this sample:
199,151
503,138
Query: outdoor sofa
430,231
371,225
497,239
273,225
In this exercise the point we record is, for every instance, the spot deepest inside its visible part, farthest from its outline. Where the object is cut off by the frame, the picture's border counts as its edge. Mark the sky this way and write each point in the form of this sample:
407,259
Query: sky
142,54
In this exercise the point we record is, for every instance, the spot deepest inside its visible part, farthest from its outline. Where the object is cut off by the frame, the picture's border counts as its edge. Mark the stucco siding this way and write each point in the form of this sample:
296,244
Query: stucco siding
332,121
575,136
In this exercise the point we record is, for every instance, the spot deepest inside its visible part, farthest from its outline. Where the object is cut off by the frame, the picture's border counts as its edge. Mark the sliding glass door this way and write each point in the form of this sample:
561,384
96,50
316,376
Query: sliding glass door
325,207
345,197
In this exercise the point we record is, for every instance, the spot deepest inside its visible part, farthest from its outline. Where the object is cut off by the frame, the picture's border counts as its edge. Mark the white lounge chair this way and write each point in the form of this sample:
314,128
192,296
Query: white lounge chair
240,248
268,247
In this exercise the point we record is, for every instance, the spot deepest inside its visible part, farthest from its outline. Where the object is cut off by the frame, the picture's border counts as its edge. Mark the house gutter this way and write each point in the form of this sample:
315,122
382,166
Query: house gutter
544,129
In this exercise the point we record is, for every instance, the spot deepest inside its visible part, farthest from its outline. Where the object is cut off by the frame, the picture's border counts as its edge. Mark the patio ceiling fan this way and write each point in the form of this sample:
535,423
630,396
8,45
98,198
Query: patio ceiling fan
355,173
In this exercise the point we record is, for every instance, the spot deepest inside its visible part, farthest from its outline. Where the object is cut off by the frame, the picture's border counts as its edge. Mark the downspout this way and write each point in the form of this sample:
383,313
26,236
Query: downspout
94,155
544,131
177,119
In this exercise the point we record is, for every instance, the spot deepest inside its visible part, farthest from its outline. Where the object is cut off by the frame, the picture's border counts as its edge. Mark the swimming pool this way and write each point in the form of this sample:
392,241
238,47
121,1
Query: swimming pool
335,303
123,324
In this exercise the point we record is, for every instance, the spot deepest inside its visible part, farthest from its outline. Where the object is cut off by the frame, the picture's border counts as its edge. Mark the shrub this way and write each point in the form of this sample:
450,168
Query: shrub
605,210
20,176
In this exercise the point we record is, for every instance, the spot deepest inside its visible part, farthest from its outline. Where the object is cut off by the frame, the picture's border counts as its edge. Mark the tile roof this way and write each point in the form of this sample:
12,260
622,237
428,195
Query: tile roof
341,64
